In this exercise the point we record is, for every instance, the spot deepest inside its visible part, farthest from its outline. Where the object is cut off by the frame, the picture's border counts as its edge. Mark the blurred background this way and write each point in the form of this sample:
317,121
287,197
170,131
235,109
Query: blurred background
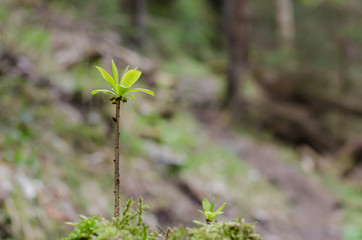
258,103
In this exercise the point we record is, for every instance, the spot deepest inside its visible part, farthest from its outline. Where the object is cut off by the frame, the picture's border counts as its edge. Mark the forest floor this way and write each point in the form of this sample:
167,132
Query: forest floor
314,212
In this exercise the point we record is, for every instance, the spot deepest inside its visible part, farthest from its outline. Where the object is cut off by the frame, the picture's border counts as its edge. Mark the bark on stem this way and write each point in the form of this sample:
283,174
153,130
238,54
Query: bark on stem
116,162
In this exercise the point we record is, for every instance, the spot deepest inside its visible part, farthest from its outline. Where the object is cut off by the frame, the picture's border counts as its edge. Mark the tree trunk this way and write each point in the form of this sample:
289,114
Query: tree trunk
285,23
139,19
345,45
137,10
237,26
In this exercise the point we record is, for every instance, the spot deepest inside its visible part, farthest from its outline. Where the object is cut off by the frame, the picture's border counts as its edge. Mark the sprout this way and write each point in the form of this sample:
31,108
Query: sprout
209,209
121,88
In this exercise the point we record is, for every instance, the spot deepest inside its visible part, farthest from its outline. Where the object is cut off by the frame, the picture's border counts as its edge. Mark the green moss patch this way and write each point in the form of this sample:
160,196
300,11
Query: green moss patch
130,226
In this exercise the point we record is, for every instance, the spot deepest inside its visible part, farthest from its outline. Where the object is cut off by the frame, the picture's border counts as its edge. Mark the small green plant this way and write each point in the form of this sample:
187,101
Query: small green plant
120,89
128,226
208,208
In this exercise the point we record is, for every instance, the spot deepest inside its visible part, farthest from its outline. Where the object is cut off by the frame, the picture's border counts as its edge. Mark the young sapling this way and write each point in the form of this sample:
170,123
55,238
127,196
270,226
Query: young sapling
120,89
208,208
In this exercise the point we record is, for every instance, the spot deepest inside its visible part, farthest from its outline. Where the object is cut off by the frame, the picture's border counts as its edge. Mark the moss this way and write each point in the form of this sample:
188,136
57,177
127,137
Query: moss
236,229
130,226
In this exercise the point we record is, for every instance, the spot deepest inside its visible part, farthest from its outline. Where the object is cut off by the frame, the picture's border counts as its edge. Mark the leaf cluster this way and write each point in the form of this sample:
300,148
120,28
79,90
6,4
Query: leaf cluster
208,209
121,87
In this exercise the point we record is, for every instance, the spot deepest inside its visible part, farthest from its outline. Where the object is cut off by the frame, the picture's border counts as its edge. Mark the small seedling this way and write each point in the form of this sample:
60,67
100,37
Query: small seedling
209,210
120,89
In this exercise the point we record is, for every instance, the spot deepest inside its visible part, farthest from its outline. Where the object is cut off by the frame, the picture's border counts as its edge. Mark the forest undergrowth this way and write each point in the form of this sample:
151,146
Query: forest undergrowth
54,152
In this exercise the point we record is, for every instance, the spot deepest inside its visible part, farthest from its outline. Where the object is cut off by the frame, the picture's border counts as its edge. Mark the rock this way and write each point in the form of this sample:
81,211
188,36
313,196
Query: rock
164,155
199,91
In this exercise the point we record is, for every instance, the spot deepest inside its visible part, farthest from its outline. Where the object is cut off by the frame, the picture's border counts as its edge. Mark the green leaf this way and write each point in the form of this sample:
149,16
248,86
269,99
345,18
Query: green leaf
103,91
130,78
125,71
108,78
141,90
115,72
123,90
220,208
199,223
210,215
205,205
118,90
212,204
218,213
202,212
131,96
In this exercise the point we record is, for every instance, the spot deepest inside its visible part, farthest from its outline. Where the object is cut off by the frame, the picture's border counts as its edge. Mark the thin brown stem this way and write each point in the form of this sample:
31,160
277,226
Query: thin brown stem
116,162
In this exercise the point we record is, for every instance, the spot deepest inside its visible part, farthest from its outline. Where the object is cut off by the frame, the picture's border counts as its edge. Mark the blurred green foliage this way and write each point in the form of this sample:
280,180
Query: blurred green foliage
350,197
183,28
